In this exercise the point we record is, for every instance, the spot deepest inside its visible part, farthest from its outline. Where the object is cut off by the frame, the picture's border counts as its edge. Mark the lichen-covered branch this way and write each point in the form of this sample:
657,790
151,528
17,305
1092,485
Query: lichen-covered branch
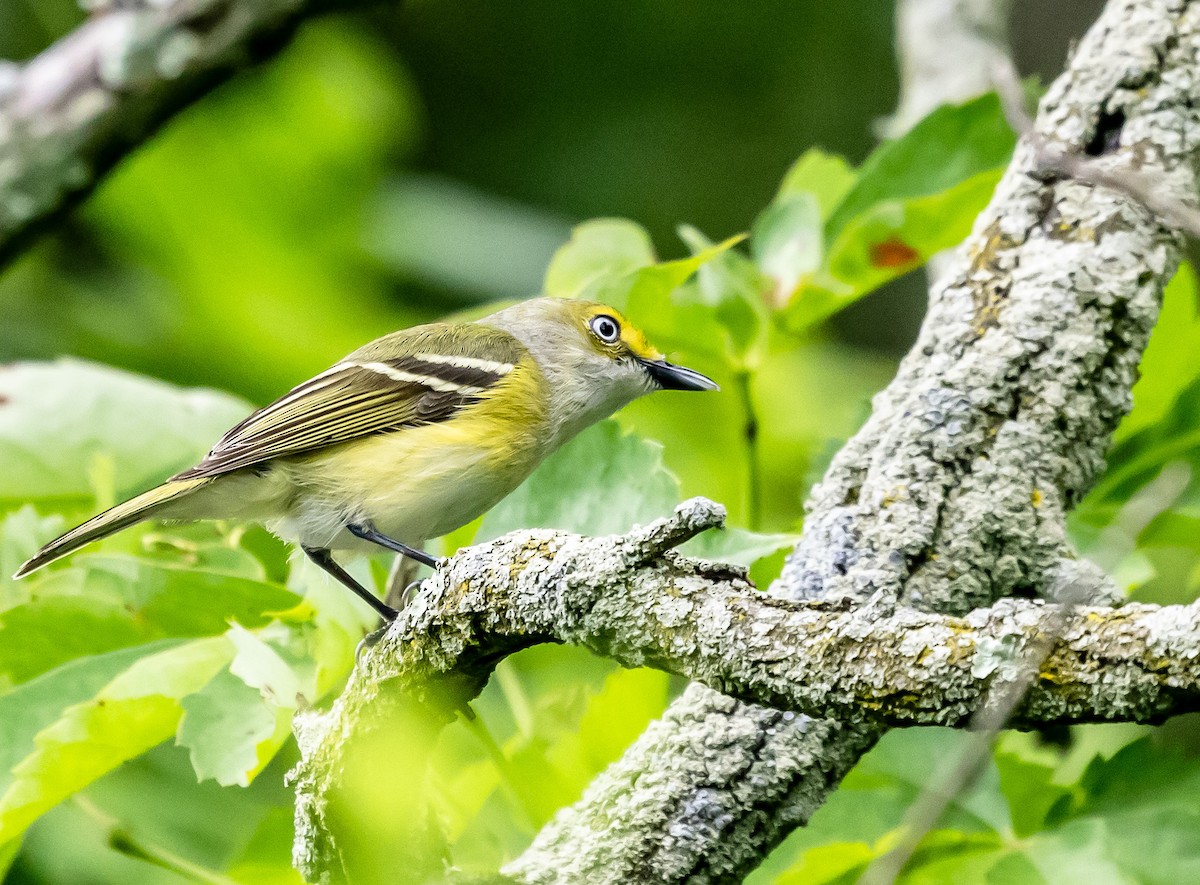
69,114
633,600
708,623
954,492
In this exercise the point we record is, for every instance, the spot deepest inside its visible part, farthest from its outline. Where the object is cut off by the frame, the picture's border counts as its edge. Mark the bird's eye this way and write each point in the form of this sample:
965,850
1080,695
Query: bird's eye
605,328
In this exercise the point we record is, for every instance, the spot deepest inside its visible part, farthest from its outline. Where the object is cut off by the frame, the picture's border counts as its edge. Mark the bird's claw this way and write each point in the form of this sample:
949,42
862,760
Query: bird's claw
368,642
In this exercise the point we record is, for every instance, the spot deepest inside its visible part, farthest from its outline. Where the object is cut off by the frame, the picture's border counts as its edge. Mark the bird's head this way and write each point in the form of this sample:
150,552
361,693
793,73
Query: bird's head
595,361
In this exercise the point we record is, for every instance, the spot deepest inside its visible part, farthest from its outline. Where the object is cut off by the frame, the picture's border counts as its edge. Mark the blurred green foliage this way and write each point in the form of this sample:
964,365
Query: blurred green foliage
387,170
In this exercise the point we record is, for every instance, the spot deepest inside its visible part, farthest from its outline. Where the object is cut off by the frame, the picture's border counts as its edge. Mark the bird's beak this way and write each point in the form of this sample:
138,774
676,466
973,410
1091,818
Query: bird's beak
670,377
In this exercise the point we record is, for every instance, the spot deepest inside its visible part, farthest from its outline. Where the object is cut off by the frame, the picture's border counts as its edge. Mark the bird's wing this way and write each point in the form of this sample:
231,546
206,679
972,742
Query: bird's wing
370,392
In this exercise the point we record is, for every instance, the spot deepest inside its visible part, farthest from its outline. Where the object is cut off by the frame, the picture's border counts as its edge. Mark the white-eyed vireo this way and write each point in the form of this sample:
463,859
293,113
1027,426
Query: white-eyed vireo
412,435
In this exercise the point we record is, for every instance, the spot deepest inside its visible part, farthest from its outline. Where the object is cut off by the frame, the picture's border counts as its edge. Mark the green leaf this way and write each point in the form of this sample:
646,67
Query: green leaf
236,724
955,143
836,862
262,862
611,260
788,243
28,709
827,177
885,241
8,853
736,545
912,198
99,604
21,532
614,717
732,285
874,797
598,249
1168,367
604,482
138,709
1030,791
138,432
229,731
600,483
646,293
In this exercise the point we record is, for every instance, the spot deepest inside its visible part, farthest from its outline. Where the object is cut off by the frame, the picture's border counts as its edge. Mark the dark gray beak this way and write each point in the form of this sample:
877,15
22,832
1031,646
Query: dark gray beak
670,377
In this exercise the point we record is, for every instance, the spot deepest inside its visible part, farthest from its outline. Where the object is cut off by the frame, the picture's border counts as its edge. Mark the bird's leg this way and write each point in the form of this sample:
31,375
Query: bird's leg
367,532
324,559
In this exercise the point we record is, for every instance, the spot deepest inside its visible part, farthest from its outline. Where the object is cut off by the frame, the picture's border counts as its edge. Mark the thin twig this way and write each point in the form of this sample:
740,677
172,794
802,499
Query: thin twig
753,465
125,842
1113,173
1003,698
993,714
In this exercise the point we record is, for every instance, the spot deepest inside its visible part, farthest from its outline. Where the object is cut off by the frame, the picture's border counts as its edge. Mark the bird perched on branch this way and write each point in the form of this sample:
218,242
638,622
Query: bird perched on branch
411,436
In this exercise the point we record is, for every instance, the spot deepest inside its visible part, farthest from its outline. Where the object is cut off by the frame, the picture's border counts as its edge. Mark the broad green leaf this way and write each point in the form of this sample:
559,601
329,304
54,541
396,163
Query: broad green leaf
827,177
736,545
21,532
737,292
103,603
138,709
612,261
1078,854
28,709
1030,790
955,143
1140,457
266,859
600,483
235,724
230,732
602,248
1169,365
912,198
645,294
614,717
138,431
831,864
8,853
873,798
604,482
788,243
885,241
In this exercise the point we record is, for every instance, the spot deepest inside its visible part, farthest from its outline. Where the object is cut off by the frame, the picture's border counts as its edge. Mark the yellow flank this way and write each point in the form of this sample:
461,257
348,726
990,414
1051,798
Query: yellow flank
424,481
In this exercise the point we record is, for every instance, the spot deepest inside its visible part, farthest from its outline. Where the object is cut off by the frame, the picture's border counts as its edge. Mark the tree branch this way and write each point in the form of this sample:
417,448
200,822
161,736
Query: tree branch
70,114
706,622
946,50
954,492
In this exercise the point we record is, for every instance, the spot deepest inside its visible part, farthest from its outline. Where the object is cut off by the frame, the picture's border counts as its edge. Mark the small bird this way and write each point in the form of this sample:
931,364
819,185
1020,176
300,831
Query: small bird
411,436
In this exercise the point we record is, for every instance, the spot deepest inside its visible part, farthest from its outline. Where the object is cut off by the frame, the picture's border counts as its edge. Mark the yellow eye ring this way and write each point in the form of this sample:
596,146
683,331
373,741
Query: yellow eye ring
606,328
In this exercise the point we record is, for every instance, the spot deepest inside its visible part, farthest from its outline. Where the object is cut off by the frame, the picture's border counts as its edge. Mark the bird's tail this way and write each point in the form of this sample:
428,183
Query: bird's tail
113,520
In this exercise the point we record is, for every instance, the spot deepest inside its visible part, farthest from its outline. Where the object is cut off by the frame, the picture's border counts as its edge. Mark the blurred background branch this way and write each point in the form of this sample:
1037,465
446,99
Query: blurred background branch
71,113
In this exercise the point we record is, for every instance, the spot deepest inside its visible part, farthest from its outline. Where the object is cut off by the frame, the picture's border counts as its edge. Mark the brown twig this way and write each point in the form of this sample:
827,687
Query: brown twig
1111,172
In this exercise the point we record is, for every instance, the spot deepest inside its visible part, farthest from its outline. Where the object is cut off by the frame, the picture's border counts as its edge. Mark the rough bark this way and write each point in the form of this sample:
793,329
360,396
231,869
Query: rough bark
707,622
954,492
69,114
